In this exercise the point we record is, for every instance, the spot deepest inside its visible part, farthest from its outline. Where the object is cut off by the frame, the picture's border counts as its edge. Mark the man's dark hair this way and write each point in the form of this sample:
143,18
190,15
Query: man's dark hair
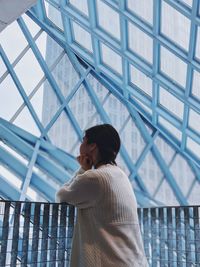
107,140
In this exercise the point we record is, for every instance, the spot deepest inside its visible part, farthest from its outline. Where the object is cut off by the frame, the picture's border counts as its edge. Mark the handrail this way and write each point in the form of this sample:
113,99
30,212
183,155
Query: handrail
40,234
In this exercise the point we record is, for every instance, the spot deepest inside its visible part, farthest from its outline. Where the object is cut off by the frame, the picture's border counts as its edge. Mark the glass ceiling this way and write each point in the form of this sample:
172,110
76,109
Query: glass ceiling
139,58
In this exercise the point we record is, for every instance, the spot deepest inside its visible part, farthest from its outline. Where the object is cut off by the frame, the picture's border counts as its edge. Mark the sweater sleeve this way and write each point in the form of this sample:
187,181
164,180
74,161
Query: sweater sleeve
82,192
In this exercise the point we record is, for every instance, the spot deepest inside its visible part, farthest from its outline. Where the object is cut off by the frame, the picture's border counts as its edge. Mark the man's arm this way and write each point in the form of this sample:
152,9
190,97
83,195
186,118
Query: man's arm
82,192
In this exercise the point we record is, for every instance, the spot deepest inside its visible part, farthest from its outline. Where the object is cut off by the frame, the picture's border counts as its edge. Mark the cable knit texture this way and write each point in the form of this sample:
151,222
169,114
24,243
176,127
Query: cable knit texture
107,232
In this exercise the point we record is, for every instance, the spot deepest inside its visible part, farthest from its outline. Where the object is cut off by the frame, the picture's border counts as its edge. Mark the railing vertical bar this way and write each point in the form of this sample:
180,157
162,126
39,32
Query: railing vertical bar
35,240
153,236
15,237
170,237
139,212
187,237
25,242
71,215
5,231
162,237
45,231
53,240
62,236
146,232
179,234
197,233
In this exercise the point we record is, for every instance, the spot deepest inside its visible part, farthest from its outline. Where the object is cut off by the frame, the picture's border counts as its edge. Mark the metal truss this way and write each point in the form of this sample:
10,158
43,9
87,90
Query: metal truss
47,166
161,117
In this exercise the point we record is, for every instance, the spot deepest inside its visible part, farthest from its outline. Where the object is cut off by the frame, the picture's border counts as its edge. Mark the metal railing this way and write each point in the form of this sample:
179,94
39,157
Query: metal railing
35,234
40,234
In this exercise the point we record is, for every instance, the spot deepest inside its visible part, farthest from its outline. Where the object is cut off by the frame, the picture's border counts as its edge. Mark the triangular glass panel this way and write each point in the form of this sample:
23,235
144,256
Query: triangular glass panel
132,140
32,26
49,48
45,103
12,35
62,134
150,173
83,108
64,74
29,71
165,149
166,195
185,177
116,111
100,90
9,97
194,196
25,121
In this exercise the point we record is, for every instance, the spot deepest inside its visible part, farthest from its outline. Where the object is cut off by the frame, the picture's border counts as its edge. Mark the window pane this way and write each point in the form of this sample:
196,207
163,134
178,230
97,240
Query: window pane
26,122
185,177
196,83
32,26
171,103
140,42
194,120
165,149
187,2
82,37
175,25
143,8
193,147
29,71
3,68
112,59
171,128
80,5
12,35
141,80
132,140
10,99
173,67
198,44
54,15
108,19
150,173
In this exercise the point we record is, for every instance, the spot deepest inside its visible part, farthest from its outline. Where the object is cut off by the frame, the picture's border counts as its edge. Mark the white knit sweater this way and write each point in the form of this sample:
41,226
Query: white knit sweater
107,231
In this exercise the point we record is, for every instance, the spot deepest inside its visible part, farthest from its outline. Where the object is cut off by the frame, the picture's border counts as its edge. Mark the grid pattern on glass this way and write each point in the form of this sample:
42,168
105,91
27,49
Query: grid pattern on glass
141,80
142,8
140,43
108,19
173,67
164,44
81,5
170,102
82,37
175,25
112,59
